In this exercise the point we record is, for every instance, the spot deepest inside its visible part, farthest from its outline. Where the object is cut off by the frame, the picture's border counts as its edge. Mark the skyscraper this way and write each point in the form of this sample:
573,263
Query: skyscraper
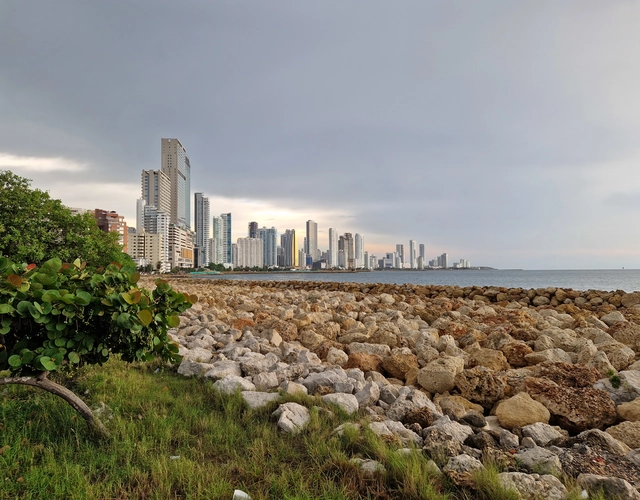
156,190
289,244
216,242
140,204
175,164
201,223
413,254
269,238
333,247
311,246
421,247
253,229
359,251
349,250
400,253
226,238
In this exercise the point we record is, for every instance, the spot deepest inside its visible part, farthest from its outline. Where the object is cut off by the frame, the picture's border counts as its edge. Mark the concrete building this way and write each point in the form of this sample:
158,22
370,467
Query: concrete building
289,244
156,189
269,238
333,248
111,222
202,226
400,254
140,204
359,260
421,252
150,249
349,251
253,230
175,164
413,254
250,252
180,247
311,243
222,237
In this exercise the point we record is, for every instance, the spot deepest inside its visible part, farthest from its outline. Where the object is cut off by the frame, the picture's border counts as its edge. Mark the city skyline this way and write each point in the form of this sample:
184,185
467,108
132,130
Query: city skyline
502,132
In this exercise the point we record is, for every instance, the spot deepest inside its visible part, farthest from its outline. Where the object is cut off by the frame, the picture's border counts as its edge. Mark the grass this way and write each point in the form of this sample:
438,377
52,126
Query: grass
177,438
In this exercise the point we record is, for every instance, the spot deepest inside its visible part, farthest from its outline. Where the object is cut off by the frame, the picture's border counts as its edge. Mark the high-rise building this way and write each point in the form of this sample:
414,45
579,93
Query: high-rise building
226,238
413,254
253,229
201,224
269,238
111,222
444,260
217,241
422,254
311,244
150,249
250,252
349,251
289,244
400,253
333,247
175,164
359,251
180,247
156,190
140,204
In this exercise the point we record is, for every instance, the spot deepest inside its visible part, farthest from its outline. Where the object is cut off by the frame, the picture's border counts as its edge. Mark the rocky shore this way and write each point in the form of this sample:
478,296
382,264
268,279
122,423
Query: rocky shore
543,382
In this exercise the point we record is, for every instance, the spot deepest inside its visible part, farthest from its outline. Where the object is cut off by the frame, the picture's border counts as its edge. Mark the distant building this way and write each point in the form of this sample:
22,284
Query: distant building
400,254
269,238
253,229
201,224
413,255
333,248
111,222
150,249
250,252
358,260
311,243
222,239
289,244
175,164
156,189
422,254
180,247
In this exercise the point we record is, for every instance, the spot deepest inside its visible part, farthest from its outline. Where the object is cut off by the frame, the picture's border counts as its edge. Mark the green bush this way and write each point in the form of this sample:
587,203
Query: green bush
59,315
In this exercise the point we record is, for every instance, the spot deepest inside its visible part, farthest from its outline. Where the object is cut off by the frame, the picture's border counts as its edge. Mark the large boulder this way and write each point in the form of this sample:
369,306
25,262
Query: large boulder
439,375
630,410
292,417
627,432
533,486
400,362
521,410
481,385
575,410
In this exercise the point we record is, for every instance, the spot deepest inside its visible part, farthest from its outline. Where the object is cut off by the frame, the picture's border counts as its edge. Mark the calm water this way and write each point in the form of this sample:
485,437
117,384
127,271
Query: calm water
609,279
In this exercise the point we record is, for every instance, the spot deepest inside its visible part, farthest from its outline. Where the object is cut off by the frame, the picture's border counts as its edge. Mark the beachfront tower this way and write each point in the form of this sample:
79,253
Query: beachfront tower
311,243
175,164
333,248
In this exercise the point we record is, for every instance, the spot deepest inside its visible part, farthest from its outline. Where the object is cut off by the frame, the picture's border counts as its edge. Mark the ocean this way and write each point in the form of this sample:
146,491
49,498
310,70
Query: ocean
627,280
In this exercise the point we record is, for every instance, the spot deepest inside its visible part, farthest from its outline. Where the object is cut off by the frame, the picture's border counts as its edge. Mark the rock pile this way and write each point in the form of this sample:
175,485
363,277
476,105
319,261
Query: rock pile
543,382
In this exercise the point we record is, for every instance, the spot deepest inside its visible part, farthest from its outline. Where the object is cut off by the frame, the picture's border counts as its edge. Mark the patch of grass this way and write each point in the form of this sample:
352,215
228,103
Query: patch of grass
489,487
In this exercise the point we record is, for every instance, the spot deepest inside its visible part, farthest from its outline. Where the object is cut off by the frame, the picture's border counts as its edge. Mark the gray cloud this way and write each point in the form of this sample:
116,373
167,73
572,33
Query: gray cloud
497,131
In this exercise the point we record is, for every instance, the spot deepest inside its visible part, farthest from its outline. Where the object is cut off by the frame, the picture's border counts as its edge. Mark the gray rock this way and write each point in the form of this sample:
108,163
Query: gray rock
265,381
612,487
368,467
458,432
533,486
189,368
222,369
613,318
255,363
292,417
289,387
539,460
369,395
232,383
199,355
256,399
347,402
326,378
393,429
542,434
461,469
389,393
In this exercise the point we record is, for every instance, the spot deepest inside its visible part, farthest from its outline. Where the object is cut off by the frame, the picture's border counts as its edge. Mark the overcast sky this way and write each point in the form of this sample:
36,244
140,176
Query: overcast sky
506,133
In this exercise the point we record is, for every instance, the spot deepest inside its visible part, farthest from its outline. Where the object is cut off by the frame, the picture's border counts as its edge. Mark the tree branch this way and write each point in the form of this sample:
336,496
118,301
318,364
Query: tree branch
42,382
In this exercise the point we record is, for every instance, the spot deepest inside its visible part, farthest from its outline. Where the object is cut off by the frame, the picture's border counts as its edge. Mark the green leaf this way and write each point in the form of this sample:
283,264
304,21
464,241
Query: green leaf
61,342
105,352
145,317
173,321
134,278
83,298
6,309
23,307
124,320
27,357
50,296
52,266
4,262
15,361
45,279
126,297
48,364
73,357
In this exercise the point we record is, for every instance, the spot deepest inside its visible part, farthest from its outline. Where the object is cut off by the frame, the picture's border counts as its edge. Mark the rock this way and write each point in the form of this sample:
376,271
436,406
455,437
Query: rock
365,362
189,368
474,419
369,395
542,434
327,378
626,333
515,353
265,381
425,417
362,347
596,438
521,410
439,375
539,460
540,300
575,410
456,431
199,355
481,385
398,364
369,468
391,429
347,402
461,469
222,369
630,299
612,318
232,384
293,388
611,487
292,417
627,432
568,375
346,427
337,357
627,386
533,486
630,410
490,358
256,399
554,355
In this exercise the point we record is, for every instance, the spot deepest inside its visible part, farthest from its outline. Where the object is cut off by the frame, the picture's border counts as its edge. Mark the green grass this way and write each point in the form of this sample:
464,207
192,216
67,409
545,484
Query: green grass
46,450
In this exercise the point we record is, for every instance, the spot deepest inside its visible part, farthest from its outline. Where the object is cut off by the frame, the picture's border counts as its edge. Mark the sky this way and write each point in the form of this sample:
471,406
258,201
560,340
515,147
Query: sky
505,133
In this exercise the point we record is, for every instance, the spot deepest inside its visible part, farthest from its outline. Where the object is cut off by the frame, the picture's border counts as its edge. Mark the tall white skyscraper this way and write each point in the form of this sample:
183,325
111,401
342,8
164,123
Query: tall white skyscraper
270,245
413,254
250,252
218,257
400,253
333,247
201,223
311,243
359,251
175,164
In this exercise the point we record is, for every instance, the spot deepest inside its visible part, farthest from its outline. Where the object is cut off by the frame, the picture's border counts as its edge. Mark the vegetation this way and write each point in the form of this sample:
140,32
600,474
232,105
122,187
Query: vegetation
178,438
35,228
57,316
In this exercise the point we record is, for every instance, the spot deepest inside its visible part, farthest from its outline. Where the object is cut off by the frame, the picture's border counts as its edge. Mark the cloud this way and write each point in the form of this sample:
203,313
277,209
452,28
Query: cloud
39,164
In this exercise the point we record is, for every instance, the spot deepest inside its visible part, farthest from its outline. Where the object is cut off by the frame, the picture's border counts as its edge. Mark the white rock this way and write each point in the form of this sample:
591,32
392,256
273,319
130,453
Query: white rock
190,368
368,467
458,432
222,369
199,355
347,402
369,395
289,387
292,417
256,399
336,356
232,383
265,381
533,486
541,433
539,460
